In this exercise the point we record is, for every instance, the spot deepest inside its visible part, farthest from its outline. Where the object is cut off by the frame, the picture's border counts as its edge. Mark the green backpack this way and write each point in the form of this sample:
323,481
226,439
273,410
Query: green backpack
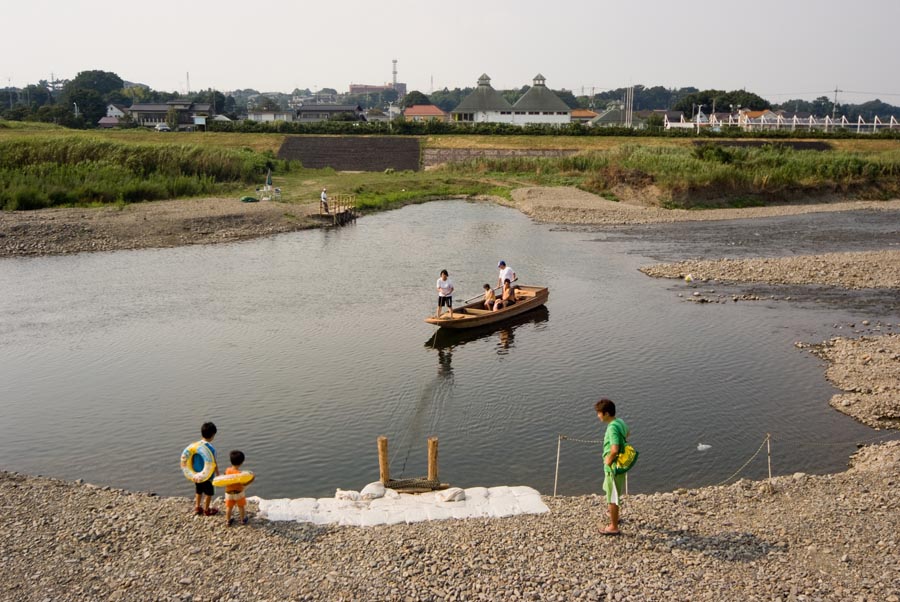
625,460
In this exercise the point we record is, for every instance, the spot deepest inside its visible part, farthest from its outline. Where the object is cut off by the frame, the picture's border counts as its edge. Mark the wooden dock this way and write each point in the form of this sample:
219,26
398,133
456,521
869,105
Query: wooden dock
341,210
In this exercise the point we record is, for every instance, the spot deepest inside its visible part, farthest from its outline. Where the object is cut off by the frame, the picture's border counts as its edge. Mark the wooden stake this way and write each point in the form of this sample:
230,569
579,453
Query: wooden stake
432,458
384,469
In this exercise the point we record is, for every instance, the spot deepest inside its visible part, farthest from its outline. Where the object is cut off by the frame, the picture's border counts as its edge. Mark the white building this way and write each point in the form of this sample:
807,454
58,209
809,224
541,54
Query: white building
483,105
541,105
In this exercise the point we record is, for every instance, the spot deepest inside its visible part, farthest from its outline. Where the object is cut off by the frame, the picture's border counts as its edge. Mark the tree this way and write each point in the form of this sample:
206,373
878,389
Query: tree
229,107
172,119
264,103
389,95
35,96
655,121
102,82
721,101
90,103
567,97
415,98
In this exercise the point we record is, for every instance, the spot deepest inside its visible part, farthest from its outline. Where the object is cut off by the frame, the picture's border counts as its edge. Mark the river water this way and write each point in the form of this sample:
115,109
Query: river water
303,348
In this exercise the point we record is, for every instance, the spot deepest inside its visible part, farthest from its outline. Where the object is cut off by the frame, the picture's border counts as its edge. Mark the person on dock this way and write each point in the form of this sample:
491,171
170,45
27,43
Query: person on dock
507,297
234,494
208,433
613,442
445,293
489,297
506,273
324,197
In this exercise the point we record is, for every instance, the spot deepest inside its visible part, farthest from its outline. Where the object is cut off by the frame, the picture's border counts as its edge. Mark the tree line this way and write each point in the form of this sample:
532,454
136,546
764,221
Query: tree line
82,101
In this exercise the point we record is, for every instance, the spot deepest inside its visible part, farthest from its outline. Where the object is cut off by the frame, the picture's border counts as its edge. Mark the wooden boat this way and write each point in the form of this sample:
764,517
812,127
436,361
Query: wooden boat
474,314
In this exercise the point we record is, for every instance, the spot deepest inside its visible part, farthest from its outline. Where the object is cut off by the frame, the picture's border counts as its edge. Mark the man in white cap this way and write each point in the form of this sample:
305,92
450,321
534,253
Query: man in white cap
324,201
505,272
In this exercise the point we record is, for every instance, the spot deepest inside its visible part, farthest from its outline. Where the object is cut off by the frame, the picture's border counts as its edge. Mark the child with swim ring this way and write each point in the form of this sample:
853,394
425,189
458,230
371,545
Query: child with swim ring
234,493
208,432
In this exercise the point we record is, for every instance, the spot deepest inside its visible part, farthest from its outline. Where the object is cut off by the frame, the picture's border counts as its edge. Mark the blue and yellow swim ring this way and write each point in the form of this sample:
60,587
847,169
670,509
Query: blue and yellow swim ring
197,462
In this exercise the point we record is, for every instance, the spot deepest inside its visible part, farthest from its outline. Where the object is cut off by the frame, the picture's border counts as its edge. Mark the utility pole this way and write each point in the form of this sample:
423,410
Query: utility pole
834,106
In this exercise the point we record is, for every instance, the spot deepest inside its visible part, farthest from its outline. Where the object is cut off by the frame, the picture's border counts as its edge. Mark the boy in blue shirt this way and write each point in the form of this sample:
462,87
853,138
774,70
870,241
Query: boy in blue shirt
208,432
613,442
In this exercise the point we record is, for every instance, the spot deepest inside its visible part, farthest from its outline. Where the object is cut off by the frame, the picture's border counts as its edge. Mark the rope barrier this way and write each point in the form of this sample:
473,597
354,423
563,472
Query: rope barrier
756,453
884,437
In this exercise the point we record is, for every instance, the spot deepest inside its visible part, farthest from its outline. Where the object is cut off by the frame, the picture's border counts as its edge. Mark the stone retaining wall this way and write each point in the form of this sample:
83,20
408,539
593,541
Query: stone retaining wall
438,156
353,153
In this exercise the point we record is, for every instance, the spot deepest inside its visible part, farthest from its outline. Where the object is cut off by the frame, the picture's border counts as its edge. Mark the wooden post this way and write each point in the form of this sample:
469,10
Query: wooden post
384,469
432,458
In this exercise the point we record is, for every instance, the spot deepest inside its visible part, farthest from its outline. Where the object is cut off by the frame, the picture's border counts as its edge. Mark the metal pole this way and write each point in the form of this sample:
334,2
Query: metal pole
769,454
556,478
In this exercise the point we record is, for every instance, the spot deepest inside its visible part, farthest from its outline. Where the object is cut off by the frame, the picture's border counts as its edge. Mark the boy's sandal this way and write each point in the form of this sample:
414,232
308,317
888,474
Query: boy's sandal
607,531
212,511
198,511
245,520
230,522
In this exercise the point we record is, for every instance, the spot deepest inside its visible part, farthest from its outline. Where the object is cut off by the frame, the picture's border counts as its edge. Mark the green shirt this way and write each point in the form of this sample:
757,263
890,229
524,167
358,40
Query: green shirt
616,432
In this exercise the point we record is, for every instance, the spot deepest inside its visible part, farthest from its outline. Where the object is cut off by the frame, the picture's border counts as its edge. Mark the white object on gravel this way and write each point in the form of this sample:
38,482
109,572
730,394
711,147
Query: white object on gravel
393,508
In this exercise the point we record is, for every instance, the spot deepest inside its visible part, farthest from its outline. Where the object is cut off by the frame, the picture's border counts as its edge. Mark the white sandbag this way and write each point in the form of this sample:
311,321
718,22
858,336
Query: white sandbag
454,494
341,494
372,491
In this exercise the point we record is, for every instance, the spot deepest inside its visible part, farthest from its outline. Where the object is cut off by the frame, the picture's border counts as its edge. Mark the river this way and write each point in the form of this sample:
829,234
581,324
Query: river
303,348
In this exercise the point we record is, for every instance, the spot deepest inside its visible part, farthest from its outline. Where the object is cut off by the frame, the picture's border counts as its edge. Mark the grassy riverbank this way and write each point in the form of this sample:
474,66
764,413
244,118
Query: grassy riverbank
47,166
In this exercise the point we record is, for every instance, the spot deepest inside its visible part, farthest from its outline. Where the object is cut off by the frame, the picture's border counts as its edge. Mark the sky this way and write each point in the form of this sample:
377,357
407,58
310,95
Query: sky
780,49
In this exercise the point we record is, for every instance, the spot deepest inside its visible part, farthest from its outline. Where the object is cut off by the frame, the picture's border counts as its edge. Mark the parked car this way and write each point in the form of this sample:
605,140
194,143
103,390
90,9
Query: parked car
162,127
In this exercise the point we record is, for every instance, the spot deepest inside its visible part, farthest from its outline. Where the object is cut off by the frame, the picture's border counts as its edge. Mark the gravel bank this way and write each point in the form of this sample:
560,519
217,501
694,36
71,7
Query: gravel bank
870,269
832,537
568,205
867,369
147,225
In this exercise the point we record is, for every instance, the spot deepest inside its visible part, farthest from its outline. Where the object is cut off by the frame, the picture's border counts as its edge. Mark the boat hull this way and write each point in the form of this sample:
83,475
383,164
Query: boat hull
474,315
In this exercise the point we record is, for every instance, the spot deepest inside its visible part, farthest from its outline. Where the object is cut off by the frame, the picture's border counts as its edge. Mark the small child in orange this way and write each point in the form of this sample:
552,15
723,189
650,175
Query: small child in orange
234,494
489,297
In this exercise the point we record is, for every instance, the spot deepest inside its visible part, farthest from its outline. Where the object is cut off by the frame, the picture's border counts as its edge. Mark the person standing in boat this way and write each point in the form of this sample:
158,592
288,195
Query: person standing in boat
506,273
445,293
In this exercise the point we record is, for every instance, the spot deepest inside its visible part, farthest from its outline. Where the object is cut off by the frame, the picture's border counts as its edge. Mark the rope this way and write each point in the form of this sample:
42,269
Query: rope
761,445
578,440
880,438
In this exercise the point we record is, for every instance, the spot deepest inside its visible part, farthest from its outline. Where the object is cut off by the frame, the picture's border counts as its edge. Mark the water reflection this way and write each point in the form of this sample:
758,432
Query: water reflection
445,340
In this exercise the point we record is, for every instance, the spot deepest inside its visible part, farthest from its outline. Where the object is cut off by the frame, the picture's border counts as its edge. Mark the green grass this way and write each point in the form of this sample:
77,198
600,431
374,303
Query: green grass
38,172
43,165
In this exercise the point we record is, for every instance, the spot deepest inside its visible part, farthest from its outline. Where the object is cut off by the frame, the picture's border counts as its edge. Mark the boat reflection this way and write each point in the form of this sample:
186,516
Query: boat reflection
444,340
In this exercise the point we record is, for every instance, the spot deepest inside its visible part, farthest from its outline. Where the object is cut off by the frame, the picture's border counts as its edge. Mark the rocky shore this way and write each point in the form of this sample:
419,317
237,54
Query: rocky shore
147,225
799,538
870,269
804,537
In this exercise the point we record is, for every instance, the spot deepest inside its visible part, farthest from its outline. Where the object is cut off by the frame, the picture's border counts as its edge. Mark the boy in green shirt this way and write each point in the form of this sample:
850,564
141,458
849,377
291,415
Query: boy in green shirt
613,442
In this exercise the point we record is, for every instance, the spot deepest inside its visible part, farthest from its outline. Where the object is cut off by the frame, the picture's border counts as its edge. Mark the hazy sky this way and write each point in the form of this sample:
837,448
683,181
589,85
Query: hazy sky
780,49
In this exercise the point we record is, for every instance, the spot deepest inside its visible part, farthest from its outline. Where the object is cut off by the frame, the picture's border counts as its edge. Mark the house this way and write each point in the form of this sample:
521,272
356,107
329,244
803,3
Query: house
114,110
583,115
483,105
188,113
324,112
612,116
424,113
541,105
273,115
108,122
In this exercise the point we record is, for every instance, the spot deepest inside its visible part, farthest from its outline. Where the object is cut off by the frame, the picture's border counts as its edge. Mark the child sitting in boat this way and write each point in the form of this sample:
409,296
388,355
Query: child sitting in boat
489,297
507,298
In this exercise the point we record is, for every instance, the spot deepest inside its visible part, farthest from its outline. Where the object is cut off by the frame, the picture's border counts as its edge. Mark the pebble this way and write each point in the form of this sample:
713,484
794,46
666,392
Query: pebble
741,541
